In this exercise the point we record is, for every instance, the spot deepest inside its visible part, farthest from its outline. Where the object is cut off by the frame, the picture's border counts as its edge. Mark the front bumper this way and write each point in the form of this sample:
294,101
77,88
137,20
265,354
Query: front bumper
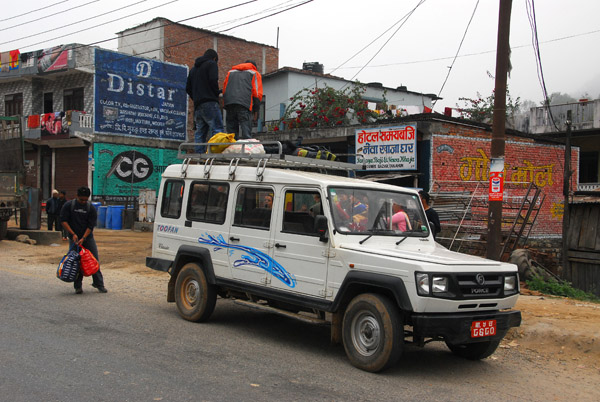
456,328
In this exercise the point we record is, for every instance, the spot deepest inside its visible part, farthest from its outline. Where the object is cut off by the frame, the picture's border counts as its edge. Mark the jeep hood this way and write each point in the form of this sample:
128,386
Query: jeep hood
432,255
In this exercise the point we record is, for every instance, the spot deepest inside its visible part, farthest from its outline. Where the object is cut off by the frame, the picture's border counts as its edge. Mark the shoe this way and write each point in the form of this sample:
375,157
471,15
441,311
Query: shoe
101,289
78,291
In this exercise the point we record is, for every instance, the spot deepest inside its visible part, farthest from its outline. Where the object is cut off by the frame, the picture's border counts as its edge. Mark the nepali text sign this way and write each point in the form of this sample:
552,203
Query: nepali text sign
139,97
120,171
388,148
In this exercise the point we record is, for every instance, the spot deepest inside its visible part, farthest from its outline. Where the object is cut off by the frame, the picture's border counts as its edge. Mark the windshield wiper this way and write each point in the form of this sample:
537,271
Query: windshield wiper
365,239
401,240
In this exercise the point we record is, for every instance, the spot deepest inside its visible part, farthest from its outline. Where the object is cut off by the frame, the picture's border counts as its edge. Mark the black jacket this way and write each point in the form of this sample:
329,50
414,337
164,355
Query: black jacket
203,81
80,217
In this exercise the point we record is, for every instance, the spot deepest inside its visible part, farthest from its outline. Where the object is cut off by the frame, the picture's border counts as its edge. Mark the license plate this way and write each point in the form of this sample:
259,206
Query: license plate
483,328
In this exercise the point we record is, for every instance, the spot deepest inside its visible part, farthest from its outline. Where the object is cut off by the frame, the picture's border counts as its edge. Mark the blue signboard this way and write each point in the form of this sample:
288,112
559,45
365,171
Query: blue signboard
139,97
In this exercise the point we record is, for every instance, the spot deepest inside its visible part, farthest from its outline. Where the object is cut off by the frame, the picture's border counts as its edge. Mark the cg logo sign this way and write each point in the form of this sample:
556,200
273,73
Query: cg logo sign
132,166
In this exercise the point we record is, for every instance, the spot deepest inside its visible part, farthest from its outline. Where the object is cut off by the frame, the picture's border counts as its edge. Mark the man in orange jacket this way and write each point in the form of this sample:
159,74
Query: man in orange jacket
242,95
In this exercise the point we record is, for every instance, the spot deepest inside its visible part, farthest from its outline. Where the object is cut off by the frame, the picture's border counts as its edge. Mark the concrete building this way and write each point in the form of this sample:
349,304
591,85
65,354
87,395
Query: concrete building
284,83
95,117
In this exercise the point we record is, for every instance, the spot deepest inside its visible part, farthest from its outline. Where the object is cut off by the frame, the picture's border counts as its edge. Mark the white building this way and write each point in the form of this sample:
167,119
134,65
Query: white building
280,85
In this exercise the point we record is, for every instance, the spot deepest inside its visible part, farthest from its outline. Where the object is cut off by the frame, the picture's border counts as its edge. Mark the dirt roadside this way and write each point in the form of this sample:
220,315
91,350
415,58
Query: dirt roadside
557,330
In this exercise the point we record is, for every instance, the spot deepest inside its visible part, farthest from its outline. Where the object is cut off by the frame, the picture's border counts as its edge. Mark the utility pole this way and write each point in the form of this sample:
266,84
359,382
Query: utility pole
494,238
566,192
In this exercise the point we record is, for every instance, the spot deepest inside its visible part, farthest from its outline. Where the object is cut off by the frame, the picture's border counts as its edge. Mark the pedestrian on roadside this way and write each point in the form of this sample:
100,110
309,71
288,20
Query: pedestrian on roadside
242,95
203,87
78,217
62,199
53,211
432,215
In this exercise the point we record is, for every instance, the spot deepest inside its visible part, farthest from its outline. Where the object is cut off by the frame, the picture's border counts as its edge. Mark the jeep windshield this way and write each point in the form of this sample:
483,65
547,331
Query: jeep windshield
375,212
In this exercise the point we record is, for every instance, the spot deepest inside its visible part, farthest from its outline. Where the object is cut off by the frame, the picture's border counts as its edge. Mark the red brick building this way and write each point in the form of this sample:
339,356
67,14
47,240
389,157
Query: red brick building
169,41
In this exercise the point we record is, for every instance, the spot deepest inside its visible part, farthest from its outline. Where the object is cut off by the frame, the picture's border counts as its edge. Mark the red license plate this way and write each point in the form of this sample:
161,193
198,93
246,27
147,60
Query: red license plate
483,328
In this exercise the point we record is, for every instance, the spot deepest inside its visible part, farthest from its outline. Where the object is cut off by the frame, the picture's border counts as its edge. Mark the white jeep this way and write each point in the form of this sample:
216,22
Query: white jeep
354,254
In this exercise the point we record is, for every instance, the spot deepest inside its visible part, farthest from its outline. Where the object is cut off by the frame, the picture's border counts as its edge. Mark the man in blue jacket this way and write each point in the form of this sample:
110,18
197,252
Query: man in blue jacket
203,87
78,217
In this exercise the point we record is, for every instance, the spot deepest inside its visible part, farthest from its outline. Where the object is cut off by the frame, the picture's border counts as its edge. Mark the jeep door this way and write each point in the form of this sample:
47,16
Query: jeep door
206,222
250,234
297,248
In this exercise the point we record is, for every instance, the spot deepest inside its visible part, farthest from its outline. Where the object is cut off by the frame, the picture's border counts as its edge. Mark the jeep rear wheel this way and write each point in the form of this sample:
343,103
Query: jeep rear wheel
474,351
194,296
372,332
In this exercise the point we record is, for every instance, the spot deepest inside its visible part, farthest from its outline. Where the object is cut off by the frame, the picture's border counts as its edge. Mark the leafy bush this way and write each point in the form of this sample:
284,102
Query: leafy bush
560,288
328,107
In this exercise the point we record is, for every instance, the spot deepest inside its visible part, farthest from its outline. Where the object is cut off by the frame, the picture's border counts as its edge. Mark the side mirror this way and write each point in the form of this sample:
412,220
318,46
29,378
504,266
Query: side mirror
322,228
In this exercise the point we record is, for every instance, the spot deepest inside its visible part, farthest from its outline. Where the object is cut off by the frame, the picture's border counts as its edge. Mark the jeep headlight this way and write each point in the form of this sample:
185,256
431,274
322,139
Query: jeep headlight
422,284
510,283
433,284
439,284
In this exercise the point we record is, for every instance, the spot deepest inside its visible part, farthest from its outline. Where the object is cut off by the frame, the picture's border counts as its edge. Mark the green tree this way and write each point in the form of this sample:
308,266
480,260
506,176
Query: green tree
481,109
557,98
328,107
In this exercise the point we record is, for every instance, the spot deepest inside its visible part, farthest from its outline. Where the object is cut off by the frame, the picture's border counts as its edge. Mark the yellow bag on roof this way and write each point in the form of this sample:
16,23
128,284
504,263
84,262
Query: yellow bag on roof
220,137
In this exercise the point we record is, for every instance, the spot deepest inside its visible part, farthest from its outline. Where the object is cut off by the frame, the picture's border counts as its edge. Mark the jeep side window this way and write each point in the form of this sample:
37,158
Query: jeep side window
208,202
253,207
300,208
172,199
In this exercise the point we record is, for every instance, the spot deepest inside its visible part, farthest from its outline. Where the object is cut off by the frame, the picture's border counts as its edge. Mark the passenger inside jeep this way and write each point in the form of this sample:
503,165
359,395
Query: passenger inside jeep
360,211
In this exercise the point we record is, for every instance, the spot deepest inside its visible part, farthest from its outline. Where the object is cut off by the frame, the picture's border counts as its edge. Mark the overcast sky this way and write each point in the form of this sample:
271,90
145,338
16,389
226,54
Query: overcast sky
417,55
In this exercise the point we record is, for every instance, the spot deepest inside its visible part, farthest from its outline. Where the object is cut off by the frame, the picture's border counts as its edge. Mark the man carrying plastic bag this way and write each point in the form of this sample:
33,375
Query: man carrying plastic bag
78,217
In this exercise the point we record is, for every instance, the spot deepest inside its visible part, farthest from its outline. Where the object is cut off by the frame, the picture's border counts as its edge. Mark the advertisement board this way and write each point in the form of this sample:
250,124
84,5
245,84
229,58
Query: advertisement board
387,148
139,97
120,171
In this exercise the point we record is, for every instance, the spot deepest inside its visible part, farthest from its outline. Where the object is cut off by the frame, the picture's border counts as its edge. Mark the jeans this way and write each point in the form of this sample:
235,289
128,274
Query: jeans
239,118
97,278
54,221
208,119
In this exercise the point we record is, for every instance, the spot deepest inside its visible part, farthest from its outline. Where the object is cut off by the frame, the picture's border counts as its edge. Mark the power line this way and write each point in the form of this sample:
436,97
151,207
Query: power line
192,40
387,41
75,23
104,23
538,59
221,24
167,24
473,54
33,11
49,15
456,55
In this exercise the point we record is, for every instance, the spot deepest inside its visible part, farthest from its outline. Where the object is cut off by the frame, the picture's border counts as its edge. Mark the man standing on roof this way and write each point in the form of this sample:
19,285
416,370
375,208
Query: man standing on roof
242,94
203,87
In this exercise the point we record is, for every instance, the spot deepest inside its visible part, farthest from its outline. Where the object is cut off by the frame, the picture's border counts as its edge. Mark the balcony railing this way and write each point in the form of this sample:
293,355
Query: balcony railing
588,186
584,115
45,126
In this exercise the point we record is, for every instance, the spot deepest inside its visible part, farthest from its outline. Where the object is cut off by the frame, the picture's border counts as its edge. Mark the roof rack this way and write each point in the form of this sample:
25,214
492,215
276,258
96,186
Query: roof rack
188,152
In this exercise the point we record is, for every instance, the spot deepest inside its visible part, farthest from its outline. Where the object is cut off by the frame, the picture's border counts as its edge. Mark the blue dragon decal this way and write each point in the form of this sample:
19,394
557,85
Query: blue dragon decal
253,257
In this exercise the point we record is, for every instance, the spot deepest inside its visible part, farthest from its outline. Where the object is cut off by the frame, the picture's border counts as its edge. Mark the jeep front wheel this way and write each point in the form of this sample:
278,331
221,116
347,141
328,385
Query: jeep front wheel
474,351
373,332
194,296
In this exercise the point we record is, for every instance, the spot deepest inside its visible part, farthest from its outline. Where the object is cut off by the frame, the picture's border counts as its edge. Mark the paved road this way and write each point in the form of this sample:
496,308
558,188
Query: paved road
131,345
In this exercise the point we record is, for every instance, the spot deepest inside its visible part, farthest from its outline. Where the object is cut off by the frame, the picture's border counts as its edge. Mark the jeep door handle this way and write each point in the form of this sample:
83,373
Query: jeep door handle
234,238
280,245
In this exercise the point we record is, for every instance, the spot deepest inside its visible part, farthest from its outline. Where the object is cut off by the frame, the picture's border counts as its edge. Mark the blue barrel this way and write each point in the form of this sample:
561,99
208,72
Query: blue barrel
101,217
107,222
116,219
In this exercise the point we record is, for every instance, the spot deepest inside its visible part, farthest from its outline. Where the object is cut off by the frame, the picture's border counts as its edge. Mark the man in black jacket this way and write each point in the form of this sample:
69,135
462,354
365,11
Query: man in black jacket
203,87
53,207
78,217
432,215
